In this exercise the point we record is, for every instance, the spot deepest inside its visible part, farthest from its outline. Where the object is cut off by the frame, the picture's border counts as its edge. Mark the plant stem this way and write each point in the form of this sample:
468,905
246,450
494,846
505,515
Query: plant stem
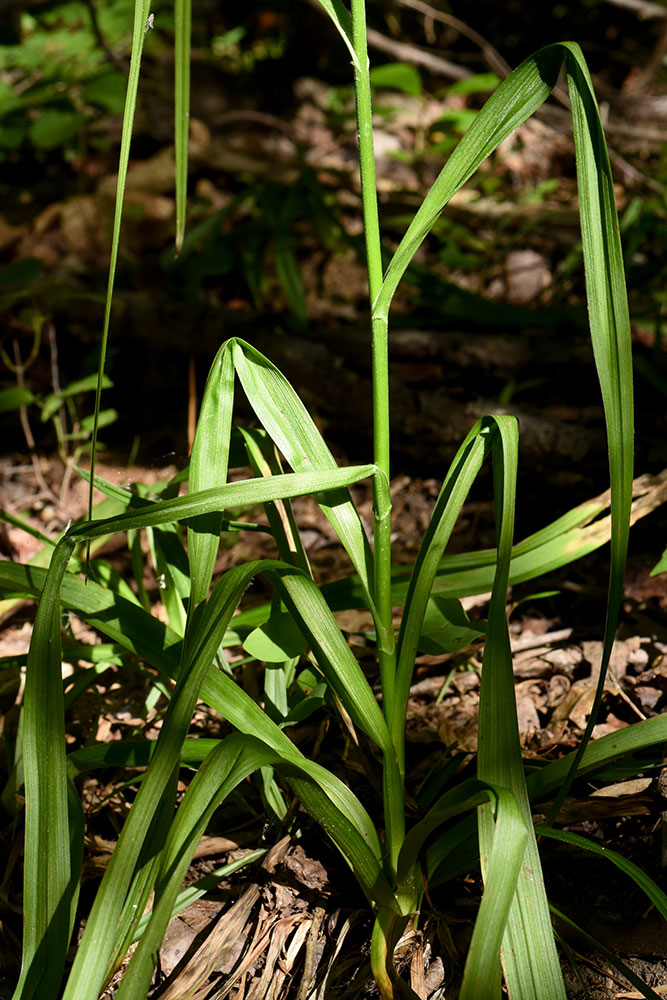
394,810
381,498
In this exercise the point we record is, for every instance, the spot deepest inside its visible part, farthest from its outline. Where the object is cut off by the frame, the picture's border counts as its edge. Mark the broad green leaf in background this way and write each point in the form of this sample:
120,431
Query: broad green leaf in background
480,83
11,399
397,76
54,128
107,91
661,565
52,403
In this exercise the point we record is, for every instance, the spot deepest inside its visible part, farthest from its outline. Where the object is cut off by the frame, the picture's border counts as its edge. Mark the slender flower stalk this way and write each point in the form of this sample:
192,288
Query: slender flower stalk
382,502
394,812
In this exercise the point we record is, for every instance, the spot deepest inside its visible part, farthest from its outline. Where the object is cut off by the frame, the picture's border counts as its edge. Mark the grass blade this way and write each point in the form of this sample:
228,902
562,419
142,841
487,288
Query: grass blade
131,627
517,97
641,879
49,882
134,629
245,493
339,665
342,20
502,877
141,12
567,539
610,332
291,427
264,461
638,984
467,795
529,957
100,937
208,468
233,760
199,888
182,31
456,486
607,749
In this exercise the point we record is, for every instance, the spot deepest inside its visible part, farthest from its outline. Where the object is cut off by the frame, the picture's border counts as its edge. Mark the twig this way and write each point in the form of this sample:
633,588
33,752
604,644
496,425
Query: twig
534,641
19,368
491,54
406,52
55,374
643,8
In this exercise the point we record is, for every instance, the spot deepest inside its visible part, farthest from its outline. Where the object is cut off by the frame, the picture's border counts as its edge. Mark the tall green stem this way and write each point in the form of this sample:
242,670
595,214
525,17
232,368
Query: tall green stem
380,360
382,505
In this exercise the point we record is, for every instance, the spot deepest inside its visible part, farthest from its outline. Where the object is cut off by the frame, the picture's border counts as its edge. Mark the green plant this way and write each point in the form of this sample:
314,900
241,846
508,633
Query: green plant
61,408
513,936
60,69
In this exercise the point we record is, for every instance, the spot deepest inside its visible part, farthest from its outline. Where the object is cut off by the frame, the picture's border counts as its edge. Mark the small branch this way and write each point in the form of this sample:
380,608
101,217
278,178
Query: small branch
643,8
405,52
493,58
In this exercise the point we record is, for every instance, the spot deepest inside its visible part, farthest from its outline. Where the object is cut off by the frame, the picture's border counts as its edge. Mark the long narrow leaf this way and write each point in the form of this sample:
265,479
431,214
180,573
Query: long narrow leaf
456,486
139,632
340,16
610,332
310,611
510,105
265,462
613,959
607,749
100,936
182,32
245,493
654,893
208,467
567,539
49,883
232,761
141,12
481,977
289,424
515,99
529,957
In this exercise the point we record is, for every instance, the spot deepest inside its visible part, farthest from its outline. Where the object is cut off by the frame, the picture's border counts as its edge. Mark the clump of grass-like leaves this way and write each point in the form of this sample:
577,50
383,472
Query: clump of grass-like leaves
513,938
